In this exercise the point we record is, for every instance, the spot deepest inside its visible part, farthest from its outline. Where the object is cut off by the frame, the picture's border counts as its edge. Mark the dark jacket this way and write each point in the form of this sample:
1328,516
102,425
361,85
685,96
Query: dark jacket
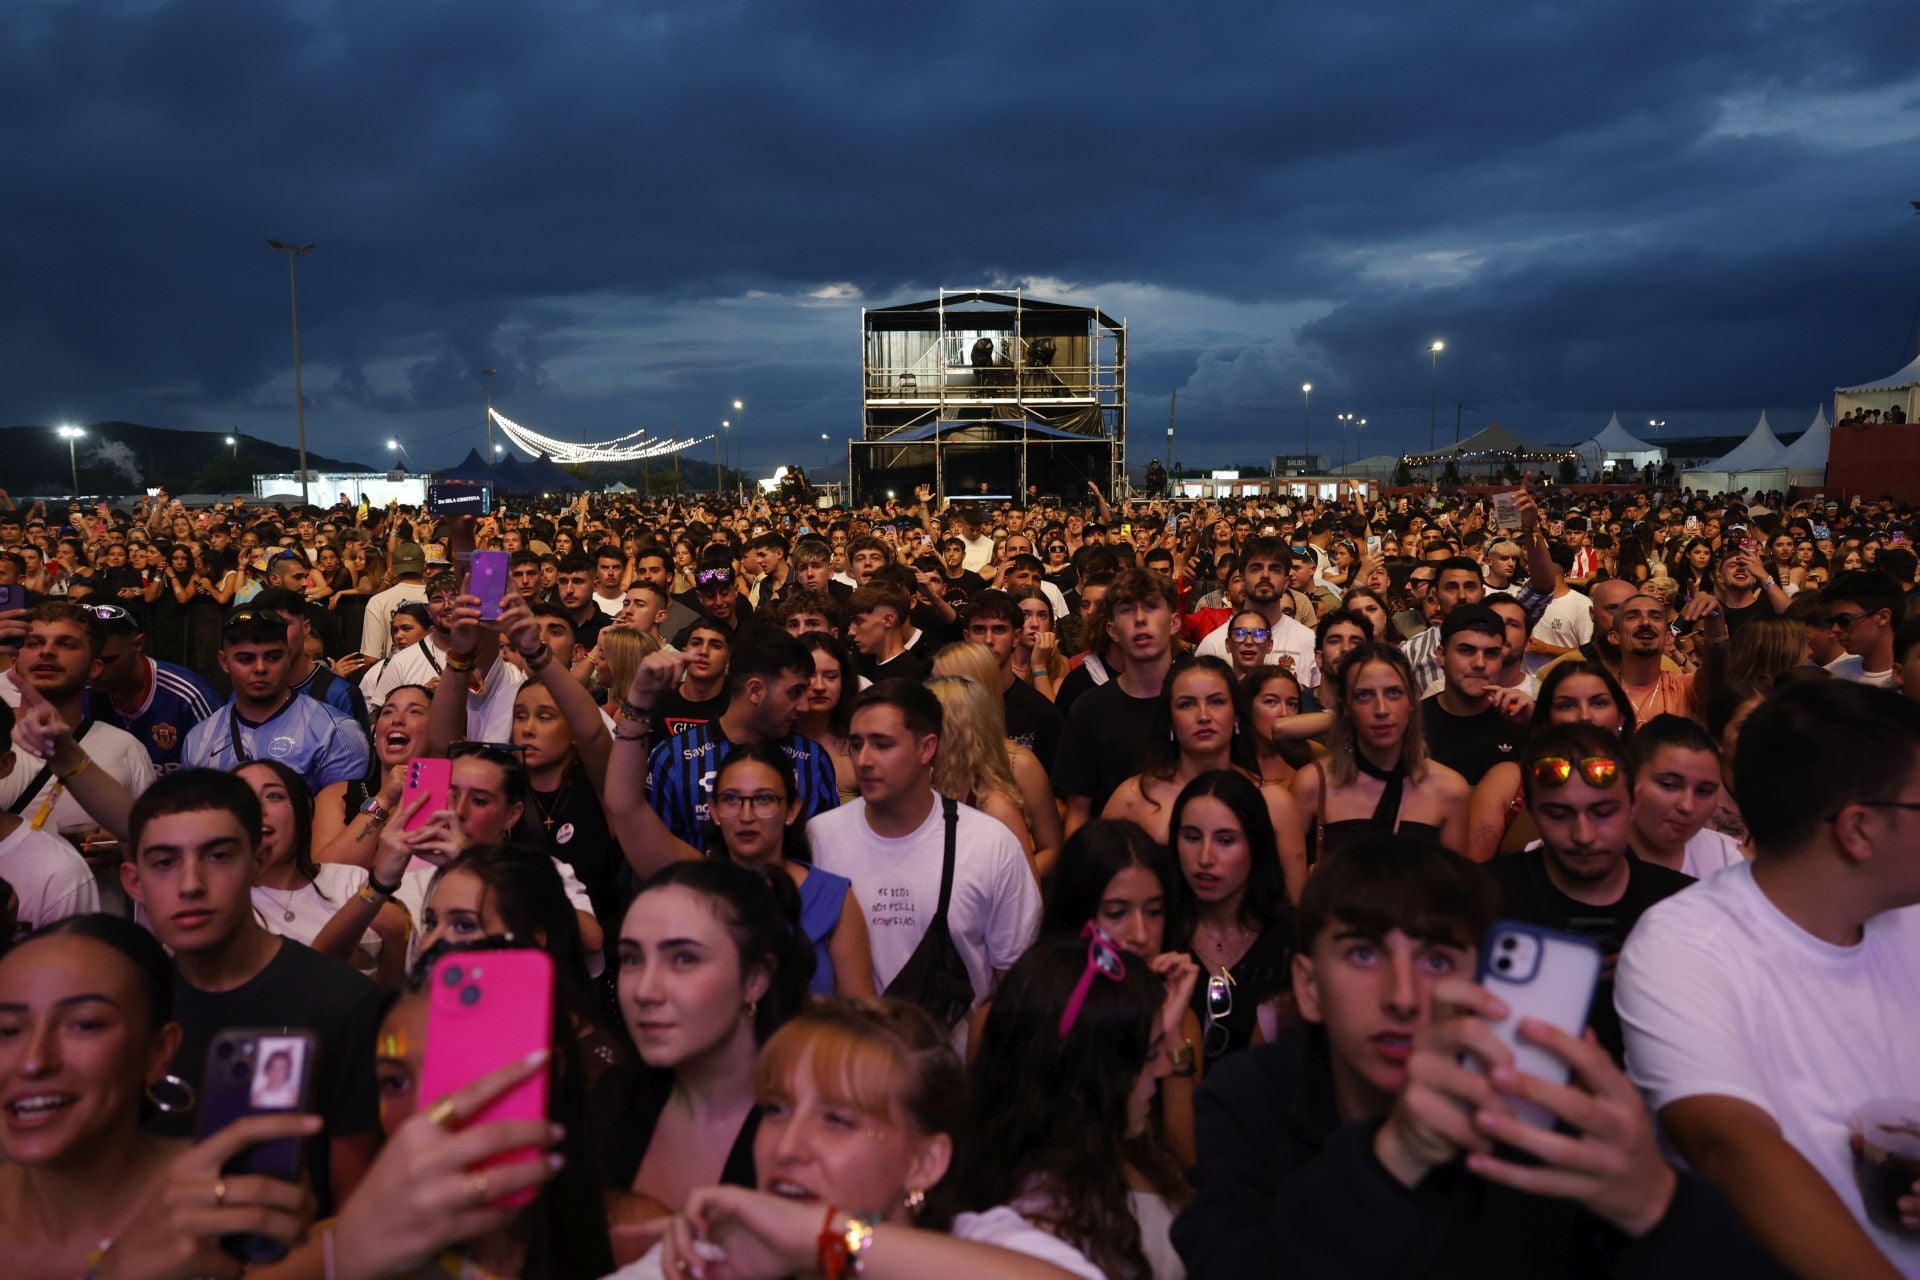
1285,1189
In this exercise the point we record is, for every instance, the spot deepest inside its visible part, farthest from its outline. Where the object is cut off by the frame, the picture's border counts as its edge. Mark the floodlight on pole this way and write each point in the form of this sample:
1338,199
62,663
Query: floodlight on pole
72,436
738,408
1433,391
1306,430
488,375
299,402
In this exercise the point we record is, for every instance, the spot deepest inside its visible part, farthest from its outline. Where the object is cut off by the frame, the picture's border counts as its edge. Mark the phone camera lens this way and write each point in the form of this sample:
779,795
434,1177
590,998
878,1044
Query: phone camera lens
470,995
223,1050
451,975
1508,944
241,1073
1503,964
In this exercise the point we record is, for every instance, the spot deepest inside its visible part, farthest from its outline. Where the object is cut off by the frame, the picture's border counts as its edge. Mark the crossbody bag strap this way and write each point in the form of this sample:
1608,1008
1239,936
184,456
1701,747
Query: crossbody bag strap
952,811
39,779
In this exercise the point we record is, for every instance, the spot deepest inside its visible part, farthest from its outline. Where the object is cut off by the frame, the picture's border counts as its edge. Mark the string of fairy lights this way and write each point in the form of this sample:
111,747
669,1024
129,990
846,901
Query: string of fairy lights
635,446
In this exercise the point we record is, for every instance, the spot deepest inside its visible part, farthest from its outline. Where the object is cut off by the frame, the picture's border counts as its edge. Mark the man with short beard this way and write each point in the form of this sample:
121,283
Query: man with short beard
1266,565
1582,879
1640,629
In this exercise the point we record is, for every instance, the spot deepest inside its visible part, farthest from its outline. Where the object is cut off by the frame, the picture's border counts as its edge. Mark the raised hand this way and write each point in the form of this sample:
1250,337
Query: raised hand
658,672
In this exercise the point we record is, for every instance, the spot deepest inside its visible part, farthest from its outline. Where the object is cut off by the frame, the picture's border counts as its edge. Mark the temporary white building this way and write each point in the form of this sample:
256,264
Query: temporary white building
1902,388
1806,458
1754,464
1620,447
1379,466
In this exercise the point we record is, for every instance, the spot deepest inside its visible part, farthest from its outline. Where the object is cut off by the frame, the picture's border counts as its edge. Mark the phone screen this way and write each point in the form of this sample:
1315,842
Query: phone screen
459,498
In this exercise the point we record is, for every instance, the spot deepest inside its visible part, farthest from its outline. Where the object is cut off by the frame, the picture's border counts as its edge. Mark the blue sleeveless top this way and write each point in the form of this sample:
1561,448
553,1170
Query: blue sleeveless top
821,894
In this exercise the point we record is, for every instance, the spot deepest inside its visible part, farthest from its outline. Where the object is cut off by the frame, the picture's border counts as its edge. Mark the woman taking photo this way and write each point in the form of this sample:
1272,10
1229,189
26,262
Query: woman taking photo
348,816
1196,729
829,706
1233,911
86,1016
1675,777
1376,775
297,898
1575,691
1112,875
710,966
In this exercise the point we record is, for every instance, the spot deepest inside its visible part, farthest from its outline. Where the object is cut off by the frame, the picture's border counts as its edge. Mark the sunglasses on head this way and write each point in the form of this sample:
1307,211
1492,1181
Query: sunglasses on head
707,577
1557,771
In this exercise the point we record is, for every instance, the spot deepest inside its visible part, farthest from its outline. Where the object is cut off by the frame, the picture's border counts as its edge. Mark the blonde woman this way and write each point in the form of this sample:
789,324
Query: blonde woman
617,657
972,765
976,662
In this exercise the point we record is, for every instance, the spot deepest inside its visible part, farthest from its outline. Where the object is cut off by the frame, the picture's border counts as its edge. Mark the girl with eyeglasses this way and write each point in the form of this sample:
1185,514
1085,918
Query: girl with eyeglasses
1232,910
1249,641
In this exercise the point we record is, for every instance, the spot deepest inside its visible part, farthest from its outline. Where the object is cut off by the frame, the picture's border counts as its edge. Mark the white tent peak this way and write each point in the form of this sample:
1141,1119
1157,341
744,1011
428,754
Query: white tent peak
1760,451
1809,452
1907,377
1615,438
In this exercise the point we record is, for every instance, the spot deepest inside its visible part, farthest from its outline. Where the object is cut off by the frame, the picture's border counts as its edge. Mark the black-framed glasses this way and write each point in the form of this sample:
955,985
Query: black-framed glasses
505,754
1259,635
257,615
1848,619
1218,1035
286,554
763,803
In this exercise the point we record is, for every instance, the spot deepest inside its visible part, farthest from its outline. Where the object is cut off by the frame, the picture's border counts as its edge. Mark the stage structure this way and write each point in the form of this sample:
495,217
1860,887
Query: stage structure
985,393
635,446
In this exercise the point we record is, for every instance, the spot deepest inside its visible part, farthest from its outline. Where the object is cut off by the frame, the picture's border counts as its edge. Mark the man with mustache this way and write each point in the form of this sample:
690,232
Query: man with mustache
1640,629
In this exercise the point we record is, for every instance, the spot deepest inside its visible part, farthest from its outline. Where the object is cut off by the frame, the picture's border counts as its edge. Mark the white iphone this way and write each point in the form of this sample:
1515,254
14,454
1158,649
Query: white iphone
1538,973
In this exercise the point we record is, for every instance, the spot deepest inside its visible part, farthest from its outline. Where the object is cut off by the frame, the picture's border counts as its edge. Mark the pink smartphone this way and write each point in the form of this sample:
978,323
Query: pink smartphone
431,776
487,578
487,1009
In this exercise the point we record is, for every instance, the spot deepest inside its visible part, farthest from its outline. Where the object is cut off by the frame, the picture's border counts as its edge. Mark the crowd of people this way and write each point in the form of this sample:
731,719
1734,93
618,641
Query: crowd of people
1089,888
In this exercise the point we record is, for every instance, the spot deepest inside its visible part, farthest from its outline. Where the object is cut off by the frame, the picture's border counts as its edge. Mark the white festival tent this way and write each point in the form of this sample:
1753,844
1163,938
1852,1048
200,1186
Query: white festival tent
1754,464
1379,466
1806,458
1616,445
1902,388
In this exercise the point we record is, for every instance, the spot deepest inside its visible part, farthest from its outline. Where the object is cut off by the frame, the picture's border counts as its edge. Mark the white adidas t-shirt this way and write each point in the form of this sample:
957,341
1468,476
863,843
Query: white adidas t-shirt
49,877
1721,994
992,914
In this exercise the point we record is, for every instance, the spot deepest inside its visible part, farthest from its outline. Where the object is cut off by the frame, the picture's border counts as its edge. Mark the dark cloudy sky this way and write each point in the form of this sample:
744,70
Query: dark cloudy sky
638,211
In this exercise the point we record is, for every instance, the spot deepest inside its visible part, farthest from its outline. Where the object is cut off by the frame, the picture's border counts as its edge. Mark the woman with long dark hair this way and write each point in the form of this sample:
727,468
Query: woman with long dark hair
297,898
346,827
1231,909
1199,726
1574,691
829,706
1114,876
1081,1163
711,964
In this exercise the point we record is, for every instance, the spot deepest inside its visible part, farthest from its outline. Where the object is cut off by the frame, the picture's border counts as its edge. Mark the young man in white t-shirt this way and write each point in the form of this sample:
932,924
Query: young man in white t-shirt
891,843
49,878
1766,1003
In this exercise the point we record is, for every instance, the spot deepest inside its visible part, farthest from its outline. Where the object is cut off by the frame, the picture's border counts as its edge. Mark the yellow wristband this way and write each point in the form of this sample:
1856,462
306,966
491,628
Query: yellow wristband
86,763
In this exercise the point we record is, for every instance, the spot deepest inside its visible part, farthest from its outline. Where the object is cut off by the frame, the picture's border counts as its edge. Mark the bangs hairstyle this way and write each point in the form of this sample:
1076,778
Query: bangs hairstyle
883,1058
1387,881
1567,670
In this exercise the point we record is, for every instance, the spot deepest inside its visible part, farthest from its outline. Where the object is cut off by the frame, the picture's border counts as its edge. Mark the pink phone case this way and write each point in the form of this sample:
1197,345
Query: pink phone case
488,1009
432,776
487,579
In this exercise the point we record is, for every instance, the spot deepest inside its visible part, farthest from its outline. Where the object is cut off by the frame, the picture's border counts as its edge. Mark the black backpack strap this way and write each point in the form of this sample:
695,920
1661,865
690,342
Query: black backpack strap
39,780
952,811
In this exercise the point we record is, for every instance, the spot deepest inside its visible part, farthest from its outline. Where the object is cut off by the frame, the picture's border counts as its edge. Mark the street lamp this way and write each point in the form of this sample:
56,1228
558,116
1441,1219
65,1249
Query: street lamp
828,439
1306,430
1433,392
234,444
738,409
718,453
1656,424
299,403
72,436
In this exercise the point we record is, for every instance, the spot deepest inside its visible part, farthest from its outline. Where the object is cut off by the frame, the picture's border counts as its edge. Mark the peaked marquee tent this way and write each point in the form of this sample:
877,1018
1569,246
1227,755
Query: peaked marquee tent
1619,446
1755,463
1902,388
1806,458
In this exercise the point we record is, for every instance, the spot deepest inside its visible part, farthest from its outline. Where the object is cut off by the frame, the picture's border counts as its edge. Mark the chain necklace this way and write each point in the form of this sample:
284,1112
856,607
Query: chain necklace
285,904
548,812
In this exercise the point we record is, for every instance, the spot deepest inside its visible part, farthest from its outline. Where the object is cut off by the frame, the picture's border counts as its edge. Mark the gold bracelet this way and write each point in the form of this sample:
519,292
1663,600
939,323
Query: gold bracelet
86,763
456,663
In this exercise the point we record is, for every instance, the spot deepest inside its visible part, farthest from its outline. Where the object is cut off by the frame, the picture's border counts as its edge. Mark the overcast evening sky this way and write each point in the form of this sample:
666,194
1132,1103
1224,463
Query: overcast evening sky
639,211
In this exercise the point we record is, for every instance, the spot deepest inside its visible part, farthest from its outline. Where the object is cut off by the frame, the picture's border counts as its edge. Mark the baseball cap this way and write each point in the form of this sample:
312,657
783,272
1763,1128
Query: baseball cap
409,558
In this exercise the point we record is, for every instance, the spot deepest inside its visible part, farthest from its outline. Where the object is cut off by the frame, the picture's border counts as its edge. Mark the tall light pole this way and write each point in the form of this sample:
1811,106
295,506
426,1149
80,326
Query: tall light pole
1306,430
299,402
738,409
1433,392
72,436
1344,419
492,448
825,437
719,452
233,443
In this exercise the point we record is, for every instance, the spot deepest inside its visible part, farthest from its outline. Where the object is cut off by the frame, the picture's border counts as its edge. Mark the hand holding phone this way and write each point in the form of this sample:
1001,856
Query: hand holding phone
1545,975
252,1073
431,777
487,579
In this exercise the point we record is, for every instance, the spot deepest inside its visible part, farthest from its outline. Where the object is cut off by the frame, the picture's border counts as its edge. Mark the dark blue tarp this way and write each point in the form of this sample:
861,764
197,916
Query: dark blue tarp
471,469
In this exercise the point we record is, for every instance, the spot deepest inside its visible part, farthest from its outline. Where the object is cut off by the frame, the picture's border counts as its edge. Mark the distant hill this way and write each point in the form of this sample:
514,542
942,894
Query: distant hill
124,458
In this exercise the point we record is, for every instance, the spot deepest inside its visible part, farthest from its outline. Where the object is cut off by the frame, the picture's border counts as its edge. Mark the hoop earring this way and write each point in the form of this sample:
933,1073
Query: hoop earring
915,1198
172,1095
